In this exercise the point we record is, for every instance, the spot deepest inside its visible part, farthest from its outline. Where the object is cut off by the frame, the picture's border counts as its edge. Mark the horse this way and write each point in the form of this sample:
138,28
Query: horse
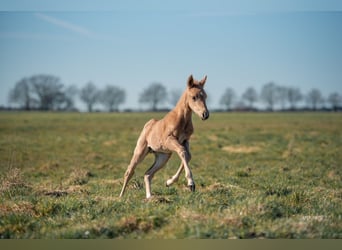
170,134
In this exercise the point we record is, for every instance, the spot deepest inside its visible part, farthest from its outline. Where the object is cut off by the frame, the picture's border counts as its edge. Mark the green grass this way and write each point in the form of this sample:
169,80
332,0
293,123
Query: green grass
257,176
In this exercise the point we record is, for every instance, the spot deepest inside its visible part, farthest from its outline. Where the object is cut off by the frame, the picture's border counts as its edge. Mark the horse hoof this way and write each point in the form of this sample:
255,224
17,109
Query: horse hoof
192,187
169,182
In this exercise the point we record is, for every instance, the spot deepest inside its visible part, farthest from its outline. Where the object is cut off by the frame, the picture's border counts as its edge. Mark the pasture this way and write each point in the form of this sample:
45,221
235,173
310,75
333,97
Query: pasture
258,175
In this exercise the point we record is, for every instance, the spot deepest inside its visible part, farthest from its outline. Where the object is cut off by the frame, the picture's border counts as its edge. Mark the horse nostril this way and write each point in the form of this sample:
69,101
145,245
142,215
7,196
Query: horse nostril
205,115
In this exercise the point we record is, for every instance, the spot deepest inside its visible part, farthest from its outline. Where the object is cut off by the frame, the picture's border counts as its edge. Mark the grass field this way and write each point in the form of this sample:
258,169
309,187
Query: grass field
259,175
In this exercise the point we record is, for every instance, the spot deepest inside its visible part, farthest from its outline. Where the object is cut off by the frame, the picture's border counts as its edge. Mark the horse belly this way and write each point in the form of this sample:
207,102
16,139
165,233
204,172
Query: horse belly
155,140
157,147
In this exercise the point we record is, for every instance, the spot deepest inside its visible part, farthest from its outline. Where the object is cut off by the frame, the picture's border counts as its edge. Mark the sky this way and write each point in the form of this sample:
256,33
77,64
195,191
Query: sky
131,44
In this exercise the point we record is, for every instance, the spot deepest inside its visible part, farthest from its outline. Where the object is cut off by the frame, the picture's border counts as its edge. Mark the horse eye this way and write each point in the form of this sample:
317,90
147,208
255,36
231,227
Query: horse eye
194,98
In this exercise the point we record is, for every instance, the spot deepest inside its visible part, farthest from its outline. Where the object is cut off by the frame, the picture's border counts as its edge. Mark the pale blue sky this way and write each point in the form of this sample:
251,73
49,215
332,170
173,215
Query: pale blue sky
134,43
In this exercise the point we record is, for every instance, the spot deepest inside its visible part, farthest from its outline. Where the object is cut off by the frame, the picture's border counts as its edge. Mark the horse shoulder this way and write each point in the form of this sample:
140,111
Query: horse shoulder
189,128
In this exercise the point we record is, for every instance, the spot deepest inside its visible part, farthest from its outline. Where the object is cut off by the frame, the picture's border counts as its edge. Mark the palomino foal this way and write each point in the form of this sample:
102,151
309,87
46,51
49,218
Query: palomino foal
170,134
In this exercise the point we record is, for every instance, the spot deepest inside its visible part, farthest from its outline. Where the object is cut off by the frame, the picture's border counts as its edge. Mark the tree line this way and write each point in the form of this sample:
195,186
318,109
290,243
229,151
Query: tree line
283,98
47,92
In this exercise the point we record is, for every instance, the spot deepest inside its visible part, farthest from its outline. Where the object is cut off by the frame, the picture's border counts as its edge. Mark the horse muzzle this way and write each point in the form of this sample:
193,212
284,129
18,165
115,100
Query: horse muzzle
205,115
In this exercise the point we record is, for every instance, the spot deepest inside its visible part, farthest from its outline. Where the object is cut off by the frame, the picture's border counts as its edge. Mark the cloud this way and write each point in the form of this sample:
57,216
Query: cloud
64,24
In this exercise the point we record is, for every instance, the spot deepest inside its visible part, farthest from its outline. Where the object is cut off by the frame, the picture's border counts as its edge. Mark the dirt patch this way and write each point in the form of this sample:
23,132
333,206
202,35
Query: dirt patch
158,199
241,149
56,193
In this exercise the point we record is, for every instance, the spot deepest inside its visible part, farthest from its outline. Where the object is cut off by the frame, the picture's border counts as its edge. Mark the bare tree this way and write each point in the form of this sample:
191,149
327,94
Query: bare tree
269,95
69,94
89,95
335,99
22,94
111,97
294,96
155,94
48,90
228,98
282,96
45,92
314,98
251,96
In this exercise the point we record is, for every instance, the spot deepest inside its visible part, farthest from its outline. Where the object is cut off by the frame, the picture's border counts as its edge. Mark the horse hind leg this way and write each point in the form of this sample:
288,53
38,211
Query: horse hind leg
175,177
140,152
160,161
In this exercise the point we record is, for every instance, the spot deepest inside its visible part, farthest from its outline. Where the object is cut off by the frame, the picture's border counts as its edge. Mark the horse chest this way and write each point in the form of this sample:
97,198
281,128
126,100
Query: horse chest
184,132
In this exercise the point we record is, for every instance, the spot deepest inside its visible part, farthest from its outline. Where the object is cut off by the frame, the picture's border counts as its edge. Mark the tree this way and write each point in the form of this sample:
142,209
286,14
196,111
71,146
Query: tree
314,98
155,94
112,97
228,98
89,95
22,94
282,93
294,96
48,90
269,95
69,95
45,92
251,96
335,99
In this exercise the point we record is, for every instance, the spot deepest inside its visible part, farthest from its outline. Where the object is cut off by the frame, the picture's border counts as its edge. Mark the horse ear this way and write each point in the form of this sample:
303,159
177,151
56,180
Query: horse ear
190,82
202,82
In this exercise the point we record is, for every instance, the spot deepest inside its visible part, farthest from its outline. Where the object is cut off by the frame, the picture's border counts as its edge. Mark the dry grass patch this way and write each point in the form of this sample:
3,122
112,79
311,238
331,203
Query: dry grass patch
241,149
189,215
12,181
75,189
213,138
218,186
18,208
110,143
79,177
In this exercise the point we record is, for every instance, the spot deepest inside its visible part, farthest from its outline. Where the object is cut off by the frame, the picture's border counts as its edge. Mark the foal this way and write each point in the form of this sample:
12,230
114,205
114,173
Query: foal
170,134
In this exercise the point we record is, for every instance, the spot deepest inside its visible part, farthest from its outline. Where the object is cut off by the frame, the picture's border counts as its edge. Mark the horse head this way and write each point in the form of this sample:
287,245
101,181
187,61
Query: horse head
196,97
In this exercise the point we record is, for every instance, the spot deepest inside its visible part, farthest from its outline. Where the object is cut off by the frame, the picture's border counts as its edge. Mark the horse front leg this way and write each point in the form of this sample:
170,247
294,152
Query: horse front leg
175,177
185,156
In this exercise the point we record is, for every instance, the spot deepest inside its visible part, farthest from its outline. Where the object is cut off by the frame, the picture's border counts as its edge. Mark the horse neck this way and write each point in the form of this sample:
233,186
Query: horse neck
182,108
